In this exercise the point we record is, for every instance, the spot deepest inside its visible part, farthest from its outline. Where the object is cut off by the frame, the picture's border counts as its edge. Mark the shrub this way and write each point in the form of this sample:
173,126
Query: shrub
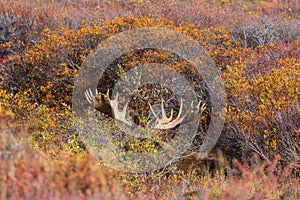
266,31
262,111
49,68
18,32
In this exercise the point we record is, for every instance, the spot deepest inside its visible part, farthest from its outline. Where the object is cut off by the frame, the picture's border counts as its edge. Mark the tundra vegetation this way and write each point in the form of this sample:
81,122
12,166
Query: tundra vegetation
255,45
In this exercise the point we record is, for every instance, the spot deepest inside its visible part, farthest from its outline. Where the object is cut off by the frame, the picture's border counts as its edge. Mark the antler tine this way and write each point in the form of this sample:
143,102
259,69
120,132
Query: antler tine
89,96
199,103
201,108
164,116
188,110
171,115
117,114
155,115
180,108
163,109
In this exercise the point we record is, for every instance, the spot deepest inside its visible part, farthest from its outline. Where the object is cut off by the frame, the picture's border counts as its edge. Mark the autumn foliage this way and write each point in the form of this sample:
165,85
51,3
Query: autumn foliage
257,55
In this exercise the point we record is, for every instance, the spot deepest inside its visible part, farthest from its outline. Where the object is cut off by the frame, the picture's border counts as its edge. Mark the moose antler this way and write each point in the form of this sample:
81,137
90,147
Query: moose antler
99,101
104,104
167,122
